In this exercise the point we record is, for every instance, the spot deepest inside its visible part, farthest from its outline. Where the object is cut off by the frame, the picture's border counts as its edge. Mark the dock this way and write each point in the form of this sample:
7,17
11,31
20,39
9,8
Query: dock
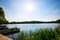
2,37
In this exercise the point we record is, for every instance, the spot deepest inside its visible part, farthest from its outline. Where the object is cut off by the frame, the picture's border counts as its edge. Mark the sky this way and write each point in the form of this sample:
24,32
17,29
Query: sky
31,10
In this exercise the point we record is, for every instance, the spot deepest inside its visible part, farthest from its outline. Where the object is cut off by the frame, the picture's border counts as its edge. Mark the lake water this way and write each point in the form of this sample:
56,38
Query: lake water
31,27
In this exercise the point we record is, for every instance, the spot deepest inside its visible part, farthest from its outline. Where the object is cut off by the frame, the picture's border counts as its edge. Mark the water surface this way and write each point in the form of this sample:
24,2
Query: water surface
28,27
31,27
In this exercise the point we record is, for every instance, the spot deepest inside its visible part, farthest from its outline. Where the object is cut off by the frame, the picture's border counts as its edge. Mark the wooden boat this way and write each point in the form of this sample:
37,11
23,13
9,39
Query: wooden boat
5,30
9,31
2,27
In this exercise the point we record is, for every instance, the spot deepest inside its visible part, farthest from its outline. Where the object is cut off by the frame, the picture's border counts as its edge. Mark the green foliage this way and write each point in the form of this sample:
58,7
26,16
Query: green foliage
58,32
2,12
2,16
41,34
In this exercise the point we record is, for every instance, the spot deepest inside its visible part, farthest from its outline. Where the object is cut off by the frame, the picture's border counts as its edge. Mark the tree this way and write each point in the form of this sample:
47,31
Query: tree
2,12
2,16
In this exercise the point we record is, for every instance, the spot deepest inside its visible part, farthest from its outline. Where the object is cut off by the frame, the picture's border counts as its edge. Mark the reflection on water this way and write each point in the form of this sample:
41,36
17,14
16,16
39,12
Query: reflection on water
13,36
32,27
28,27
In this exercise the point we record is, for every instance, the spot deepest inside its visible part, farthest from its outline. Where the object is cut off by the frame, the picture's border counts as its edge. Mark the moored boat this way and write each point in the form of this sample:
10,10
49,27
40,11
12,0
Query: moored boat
6,31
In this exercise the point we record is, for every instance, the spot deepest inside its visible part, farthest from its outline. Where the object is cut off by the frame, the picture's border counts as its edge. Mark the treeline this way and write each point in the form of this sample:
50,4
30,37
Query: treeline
33,22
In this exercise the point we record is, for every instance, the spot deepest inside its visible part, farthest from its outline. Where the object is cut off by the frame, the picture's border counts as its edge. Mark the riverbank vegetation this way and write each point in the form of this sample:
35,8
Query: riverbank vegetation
41,34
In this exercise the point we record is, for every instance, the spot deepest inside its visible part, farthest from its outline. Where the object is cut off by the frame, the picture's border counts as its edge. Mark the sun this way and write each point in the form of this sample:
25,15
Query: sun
28,7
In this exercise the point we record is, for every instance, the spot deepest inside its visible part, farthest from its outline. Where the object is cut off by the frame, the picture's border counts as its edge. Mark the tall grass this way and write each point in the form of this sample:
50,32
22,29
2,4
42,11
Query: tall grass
41,34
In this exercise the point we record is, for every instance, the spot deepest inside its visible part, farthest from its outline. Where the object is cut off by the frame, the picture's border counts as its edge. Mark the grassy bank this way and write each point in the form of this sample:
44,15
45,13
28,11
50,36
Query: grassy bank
41,34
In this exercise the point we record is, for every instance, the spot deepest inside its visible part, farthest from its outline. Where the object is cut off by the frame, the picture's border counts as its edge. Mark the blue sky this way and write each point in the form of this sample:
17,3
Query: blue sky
31,10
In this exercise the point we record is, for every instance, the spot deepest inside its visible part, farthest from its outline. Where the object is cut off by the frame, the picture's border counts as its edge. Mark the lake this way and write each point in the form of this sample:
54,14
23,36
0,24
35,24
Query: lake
31,27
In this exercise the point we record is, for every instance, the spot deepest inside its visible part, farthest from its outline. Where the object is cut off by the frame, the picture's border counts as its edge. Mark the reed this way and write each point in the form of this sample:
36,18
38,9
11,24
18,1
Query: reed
41,34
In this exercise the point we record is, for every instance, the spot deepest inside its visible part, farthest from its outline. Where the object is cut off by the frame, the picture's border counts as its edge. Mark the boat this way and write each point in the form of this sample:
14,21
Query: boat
6,31
9,31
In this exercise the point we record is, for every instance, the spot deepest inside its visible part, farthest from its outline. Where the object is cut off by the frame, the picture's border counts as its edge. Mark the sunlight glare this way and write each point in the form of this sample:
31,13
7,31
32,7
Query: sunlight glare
29,7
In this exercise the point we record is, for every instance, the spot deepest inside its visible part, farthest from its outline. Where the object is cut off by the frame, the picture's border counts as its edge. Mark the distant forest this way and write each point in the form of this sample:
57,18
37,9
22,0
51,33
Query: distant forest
26,22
